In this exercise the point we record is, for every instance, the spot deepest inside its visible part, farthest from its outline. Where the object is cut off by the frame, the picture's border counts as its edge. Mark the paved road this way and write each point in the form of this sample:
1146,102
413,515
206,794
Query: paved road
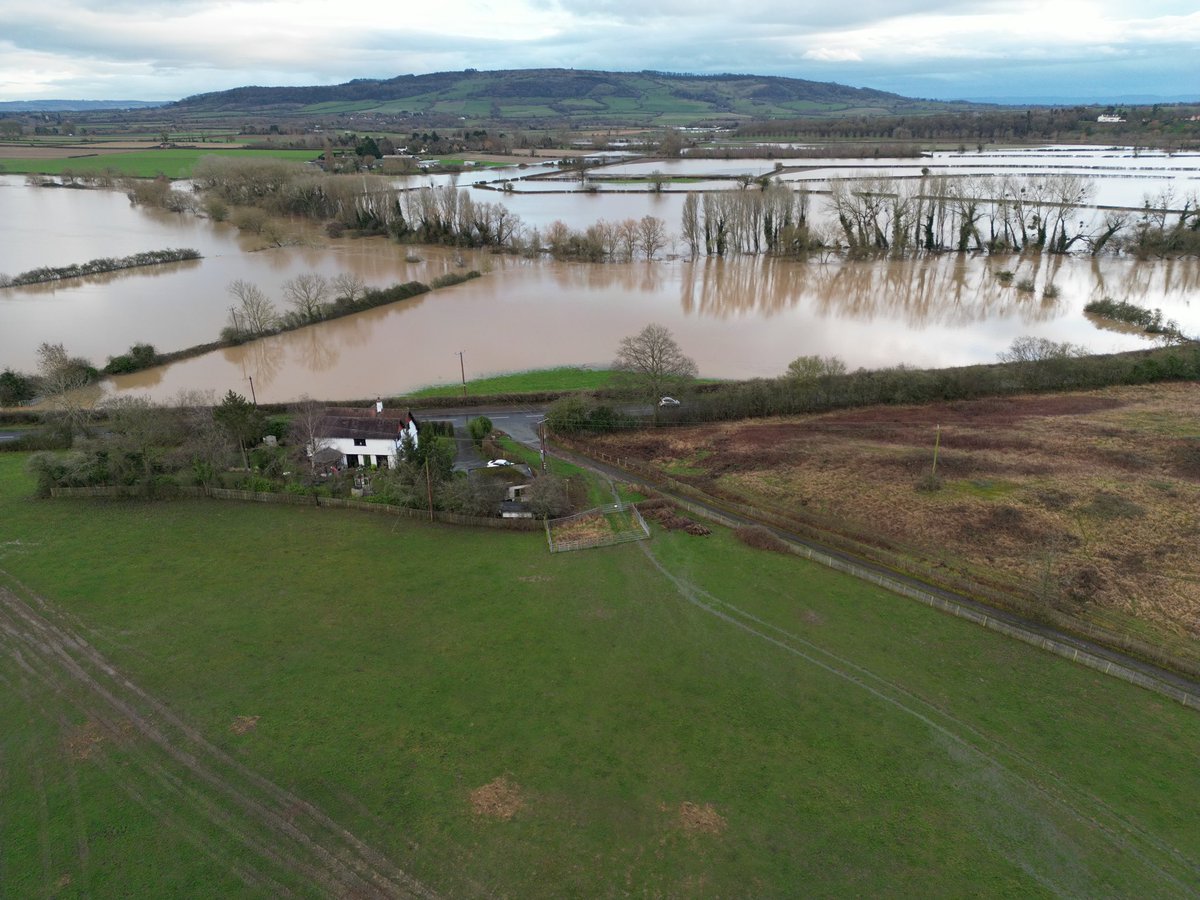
518,422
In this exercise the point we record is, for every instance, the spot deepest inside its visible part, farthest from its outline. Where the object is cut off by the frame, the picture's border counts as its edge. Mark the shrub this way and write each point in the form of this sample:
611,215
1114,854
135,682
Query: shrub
140,356
1005,276
479,428
1026,286
16,388
761,539
929,483
1108,506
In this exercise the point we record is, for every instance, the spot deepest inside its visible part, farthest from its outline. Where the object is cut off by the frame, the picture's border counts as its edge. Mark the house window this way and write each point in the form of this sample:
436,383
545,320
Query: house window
381,461
360,442
352,460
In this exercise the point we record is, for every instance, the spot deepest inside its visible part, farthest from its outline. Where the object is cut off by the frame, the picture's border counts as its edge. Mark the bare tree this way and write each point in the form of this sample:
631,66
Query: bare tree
307,429
691,222
653,362
348,286
208,449
62,380
307,295
652,235
254,313
629,237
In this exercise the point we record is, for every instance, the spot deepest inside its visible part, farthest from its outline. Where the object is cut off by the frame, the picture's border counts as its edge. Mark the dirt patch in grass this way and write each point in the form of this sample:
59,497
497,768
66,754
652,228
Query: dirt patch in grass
84,741
1089,499
499,799
244,724
695,818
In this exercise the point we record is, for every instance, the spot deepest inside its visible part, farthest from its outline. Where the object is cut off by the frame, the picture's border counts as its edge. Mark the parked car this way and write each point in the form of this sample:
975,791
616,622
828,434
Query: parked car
497,463
668,401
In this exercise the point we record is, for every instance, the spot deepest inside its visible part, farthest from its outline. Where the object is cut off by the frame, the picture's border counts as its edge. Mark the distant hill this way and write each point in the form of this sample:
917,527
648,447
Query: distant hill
74,105
575,96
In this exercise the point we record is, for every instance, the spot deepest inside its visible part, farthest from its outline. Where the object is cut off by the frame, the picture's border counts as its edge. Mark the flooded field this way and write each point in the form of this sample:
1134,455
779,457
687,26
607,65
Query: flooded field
740,316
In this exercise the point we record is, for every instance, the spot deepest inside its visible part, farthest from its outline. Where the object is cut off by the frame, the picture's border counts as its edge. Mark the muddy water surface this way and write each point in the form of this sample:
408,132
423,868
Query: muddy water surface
737,317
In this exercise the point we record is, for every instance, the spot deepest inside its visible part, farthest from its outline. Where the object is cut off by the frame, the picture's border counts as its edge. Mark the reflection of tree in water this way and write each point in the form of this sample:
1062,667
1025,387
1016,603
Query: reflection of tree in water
1147,283
948,291
141,380
629,277
314,349
260,360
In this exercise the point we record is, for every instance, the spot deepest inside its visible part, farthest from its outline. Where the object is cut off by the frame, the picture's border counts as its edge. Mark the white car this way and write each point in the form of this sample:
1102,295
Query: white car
497,463
668,401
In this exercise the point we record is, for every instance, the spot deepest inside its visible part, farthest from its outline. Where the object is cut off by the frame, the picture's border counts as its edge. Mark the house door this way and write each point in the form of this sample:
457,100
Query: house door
352,460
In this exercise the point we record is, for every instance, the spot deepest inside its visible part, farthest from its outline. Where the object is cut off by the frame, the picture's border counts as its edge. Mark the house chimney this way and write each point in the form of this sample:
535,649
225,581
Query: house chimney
378,406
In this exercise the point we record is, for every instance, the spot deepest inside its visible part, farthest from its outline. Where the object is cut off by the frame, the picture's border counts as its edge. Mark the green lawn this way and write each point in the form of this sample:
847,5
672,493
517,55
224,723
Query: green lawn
564,378
820,737
141,163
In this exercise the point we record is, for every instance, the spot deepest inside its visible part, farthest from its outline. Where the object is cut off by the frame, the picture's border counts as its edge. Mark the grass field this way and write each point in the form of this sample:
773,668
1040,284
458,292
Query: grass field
140,163
563,378
680,717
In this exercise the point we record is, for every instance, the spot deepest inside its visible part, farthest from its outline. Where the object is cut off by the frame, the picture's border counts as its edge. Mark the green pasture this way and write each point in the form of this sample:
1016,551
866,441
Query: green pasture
837,740
141,163
562,378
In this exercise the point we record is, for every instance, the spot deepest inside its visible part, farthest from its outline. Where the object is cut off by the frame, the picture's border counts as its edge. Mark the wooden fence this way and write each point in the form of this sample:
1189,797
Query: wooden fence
404,512
638,530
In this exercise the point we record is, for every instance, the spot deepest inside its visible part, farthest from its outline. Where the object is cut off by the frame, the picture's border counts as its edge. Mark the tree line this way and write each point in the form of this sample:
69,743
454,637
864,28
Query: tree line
880,215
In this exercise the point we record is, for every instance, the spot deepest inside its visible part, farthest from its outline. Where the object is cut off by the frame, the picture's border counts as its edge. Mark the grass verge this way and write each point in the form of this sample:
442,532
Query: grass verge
563,378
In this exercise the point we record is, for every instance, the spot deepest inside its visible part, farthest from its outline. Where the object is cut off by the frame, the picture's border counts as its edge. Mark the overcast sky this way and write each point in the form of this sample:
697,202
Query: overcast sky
1009,49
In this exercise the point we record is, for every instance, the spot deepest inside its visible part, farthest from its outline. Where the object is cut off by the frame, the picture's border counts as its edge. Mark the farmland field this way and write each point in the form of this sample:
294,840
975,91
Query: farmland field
1087,499
682,717
177,163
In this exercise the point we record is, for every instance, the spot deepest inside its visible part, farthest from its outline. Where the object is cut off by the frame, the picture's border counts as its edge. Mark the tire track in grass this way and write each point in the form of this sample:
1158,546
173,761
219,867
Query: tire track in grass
178,783
222,790
165,811
879,688
999,746
83,851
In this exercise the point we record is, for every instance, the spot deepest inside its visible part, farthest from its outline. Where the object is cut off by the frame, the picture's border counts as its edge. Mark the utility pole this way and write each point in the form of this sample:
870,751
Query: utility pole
463,371
253,398
542,436
937,440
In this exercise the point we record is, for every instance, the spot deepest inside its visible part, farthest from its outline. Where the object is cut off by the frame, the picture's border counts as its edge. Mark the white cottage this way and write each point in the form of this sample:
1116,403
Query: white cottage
370,437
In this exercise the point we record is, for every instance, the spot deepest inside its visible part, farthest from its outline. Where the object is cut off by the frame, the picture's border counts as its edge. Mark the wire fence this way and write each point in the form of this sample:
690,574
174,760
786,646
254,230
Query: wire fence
603,526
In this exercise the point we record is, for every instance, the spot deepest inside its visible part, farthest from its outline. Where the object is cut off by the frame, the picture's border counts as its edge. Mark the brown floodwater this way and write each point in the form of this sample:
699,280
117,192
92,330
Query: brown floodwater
737,317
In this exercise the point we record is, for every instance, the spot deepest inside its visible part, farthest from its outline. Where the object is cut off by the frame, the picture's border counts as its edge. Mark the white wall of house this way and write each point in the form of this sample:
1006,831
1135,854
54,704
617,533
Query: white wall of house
367,452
